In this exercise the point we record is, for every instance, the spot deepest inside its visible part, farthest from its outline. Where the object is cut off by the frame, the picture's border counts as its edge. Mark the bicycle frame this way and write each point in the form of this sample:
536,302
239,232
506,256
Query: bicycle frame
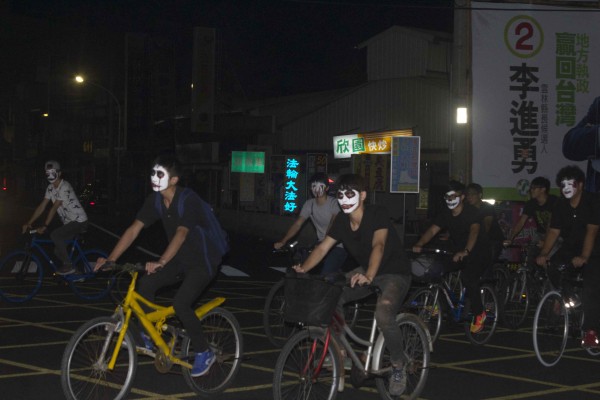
456,305
75,254
338,324
152,321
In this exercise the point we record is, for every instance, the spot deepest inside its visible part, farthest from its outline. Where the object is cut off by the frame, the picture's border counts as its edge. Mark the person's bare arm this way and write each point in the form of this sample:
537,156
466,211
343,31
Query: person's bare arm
36,214
551,235
171,250
316,255
123,244
50,216
426,238
517,228
471,240
591,231
292,231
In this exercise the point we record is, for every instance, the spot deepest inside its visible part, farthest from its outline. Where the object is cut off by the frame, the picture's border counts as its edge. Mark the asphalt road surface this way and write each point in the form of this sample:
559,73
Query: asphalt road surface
33,337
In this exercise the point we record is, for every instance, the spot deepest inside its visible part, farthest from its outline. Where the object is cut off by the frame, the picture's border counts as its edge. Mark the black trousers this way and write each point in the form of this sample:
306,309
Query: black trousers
194,279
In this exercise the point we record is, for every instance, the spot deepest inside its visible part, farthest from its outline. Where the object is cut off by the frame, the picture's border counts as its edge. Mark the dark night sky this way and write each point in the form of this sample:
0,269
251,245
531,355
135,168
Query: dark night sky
273,47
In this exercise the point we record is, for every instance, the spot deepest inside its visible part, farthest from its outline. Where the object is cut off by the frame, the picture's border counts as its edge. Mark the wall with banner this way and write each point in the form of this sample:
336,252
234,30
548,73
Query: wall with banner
534,79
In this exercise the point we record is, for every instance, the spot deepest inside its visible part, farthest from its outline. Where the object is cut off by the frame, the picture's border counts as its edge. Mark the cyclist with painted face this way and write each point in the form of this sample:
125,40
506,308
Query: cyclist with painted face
66,204
322,210
469,241
576,218
368,234
186,259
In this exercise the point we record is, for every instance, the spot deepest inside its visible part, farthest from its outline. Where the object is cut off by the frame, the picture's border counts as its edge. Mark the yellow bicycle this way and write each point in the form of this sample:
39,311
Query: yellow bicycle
100,360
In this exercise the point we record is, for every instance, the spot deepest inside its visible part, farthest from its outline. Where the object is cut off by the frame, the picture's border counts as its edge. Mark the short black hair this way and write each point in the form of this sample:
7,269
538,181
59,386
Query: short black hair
455,186
475,187
170,163
570,172
320,177
352,182
541,182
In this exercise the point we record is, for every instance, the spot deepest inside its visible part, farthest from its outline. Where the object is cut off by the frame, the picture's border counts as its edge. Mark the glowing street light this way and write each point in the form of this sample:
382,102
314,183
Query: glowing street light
80,80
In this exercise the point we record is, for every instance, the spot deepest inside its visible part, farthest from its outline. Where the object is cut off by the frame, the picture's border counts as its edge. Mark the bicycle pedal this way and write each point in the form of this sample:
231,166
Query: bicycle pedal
145,351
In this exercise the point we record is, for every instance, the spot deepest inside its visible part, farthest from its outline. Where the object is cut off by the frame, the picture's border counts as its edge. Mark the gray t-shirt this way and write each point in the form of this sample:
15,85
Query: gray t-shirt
320,215
70,210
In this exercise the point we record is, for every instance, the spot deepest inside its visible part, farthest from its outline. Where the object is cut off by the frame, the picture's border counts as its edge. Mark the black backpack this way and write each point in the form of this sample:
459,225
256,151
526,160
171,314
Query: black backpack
213,233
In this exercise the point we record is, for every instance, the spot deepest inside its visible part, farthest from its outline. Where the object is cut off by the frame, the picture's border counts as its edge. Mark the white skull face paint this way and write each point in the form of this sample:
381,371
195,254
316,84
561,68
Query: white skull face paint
568,188
452,199
51,175
159,178
348,200
317,188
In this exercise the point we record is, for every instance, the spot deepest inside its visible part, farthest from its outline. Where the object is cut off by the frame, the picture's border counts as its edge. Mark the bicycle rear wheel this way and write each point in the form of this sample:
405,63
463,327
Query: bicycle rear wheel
21,276
306,368
501,277
415,344
550,329
224,336
84,366
276,328
86,283
425,305
517,300
490,306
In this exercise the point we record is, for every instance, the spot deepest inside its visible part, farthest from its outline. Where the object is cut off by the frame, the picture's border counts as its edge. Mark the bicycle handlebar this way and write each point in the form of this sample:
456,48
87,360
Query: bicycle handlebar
430,250
126,267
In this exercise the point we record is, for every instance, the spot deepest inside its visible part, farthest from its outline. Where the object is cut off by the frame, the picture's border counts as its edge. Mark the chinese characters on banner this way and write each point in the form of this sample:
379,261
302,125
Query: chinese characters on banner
531,84
405,164
292,166
375,168
366,143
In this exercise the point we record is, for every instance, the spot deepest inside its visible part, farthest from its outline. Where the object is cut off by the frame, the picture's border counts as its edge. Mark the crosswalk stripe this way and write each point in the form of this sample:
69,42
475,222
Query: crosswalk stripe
230,271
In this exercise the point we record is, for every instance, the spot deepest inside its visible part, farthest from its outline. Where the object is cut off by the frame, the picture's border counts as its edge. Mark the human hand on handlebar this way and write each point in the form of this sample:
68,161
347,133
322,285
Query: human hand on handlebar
298,268
100,262
153,266
417,249
361,279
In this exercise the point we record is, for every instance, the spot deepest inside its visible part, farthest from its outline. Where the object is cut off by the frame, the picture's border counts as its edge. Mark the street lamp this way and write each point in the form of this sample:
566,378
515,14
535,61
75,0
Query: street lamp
80,80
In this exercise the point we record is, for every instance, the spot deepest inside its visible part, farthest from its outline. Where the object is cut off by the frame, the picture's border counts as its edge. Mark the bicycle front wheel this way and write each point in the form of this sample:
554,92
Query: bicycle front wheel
86,283
306,368
84,366
550,329
517,300
276,328
21,276
426,305
490,306
224,335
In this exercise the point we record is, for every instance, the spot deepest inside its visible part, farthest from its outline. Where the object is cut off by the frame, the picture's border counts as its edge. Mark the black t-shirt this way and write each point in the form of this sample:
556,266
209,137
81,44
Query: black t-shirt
359,243
573,222
488,210
459,227
192,251
541,213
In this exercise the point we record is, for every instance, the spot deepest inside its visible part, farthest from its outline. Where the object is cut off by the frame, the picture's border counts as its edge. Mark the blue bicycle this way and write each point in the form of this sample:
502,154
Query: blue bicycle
22,271
442,296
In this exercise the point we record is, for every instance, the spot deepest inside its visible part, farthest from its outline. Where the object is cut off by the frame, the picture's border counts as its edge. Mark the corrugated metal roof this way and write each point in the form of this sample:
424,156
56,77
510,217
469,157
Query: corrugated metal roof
419,103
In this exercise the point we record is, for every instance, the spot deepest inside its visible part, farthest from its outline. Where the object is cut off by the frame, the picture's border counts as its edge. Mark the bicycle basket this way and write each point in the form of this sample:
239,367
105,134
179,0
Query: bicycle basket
426,268
310,300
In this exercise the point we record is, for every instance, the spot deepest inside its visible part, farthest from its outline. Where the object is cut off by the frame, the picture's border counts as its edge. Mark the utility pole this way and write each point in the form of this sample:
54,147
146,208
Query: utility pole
461,152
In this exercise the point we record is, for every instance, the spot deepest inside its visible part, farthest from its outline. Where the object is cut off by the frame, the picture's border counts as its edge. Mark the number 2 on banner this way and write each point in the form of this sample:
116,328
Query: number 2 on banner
523,36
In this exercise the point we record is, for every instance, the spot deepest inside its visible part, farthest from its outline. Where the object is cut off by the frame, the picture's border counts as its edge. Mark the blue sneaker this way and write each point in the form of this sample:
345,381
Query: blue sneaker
202,363
148,343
